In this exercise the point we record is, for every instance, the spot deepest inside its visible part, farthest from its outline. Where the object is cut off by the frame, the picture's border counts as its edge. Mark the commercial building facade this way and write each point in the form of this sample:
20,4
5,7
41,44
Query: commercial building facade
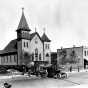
80,52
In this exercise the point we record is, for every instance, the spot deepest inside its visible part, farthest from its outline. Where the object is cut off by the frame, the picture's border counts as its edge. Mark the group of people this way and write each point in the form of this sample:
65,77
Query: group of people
71,68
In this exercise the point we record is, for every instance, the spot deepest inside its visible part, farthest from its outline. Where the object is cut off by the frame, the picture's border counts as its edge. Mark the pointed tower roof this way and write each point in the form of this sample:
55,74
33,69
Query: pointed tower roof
23,23
45,38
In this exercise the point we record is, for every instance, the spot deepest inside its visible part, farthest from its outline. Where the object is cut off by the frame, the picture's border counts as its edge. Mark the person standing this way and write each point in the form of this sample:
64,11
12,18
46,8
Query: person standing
70,68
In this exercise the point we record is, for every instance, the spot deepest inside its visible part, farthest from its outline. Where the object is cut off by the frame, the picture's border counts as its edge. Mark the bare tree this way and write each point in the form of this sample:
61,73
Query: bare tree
63,55
73,58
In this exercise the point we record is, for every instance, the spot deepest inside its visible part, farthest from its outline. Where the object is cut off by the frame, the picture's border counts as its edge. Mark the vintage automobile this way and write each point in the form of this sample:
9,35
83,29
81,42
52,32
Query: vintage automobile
3,70
60,74
56,73
39,73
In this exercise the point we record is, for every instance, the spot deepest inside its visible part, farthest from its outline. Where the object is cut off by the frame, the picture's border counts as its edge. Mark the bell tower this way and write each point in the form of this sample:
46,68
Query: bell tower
23,29
46,48
23,37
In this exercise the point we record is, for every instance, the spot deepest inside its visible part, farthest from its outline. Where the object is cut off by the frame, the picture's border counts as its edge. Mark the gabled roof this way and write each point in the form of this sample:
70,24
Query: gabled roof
23,24
45,38
10,48
33,34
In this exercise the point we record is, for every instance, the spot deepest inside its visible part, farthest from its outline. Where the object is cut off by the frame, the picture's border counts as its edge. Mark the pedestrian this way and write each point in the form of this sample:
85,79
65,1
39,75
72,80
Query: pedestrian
6,85
70,68
78,68
29,72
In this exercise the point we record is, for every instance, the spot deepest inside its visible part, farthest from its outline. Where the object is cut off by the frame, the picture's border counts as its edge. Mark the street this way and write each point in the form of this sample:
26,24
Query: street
73,80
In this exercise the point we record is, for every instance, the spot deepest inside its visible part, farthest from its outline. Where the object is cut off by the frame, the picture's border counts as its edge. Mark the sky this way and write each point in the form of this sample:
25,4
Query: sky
66,21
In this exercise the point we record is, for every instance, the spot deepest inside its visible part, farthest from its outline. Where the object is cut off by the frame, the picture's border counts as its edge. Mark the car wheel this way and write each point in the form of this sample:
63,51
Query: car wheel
55,77
59,76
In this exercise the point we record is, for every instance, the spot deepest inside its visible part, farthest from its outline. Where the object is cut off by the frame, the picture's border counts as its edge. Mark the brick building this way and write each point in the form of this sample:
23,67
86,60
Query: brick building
81,55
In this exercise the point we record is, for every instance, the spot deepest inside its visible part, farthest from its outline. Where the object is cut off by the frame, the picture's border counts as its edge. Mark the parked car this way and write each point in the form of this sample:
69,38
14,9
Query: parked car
3,70
13,71
56,73
60,74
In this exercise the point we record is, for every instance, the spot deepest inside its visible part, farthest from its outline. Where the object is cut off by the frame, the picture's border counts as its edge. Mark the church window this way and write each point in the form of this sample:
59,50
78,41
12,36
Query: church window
24,44
4,59
7,59
10,59
47,55
46,46
85,53
14,58
33,57
27,44
36,41
36,54
39,56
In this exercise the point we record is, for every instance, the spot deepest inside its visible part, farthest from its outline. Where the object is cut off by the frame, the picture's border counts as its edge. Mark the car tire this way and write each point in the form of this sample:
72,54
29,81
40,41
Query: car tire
59,76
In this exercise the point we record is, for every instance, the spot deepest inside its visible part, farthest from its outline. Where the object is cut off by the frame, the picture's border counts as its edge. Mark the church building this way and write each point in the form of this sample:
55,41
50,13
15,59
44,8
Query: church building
27,47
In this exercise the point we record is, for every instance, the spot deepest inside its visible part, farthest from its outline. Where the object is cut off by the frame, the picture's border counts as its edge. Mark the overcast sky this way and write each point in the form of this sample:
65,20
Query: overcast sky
66,21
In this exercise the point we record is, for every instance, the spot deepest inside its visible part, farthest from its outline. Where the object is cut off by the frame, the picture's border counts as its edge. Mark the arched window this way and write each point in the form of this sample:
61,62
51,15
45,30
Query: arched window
27,44
36,54
24,44
85,53
40,56
32,56
47,55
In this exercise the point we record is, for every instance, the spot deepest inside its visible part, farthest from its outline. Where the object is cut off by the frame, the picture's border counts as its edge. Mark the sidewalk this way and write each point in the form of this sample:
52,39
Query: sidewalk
78,86
82,70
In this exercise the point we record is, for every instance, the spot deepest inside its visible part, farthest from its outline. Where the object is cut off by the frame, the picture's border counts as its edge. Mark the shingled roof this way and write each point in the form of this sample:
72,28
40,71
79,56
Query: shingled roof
23,24
45,38
10,48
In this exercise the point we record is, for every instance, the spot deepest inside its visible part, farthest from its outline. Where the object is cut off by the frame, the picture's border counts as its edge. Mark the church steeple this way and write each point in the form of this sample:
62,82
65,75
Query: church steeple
23,28
23,23
44,37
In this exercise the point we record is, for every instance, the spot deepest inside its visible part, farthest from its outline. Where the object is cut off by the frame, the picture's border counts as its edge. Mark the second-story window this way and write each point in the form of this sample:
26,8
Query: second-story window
39,56
46,46
27,44
85,53
24,44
